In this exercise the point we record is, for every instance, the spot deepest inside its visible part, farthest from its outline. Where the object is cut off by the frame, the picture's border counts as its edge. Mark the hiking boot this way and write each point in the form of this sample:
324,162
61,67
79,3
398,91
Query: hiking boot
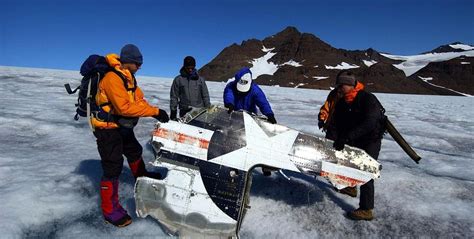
351,191
123,221
360,214
139,170
113,212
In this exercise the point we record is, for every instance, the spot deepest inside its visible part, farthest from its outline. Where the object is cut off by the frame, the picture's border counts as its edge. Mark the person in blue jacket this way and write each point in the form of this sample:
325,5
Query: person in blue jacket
244,94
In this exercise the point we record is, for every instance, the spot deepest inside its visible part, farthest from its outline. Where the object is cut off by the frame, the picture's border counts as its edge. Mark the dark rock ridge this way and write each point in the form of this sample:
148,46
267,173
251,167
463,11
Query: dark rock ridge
456,74
317,60
446,48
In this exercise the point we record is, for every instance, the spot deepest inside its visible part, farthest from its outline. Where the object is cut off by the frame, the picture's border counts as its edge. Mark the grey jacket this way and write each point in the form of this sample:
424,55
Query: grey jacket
189,91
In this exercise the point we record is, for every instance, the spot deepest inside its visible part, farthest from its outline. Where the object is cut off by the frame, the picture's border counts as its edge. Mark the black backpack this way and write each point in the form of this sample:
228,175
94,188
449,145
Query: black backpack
93,69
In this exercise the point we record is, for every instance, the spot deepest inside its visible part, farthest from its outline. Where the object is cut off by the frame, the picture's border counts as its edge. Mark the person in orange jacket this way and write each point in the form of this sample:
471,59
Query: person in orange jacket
356,120
121,103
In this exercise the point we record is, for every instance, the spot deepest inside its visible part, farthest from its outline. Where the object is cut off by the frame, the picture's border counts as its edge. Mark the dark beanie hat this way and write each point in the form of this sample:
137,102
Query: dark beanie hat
131,54
345,78
189,61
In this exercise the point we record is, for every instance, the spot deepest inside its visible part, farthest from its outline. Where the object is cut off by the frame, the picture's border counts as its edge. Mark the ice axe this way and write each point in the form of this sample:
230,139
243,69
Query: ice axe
402,142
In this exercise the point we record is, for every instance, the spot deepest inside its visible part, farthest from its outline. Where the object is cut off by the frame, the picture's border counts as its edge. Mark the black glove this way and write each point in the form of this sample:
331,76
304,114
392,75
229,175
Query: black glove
339,143
230,108
162,116
320,124
173,115
271,119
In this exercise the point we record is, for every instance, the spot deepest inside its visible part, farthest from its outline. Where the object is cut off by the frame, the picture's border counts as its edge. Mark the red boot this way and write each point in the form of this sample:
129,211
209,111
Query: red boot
139,170
111,209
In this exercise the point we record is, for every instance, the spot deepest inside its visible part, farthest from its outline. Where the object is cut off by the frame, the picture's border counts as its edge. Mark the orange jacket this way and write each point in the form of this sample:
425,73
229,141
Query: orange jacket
122,102
328,107
350,96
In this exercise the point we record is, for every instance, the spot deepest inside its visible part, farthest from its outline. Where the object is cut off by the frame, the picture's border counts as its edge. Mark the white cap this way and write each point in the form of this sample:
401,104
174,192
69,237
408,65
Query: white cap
243,85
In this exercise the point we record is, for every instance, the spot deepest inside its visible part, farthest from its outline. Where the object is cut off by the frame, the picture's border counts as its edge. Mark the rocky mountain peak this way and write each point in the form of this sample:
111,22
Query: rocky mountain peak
290,58
452,47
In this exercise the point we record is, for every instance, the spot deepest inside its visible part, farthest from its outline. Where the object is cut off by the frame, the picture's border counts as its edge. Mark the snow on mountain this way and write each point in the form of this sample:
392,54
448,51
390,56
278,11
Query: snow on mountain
291,63
292,57
320,77
50,168
414,63
341,66
261,66
462,47
369,63
428,79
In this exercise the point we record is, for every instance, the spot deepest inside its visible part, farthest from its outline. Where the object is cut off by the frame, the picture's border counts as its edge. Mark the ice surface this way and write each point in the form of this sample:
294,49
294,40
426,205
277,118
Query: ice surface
50,168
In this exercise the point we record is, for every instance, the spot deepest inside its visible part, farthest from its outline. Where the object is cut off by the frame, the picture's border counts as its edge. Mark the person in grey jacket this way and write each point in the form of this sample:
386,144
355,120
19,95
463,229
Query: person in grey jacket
188,90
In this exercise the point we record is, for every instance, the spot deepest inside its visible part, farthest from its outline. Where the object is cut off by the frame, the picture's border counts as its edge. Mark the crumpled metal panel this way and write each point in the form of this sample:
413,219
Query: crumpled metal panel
181,204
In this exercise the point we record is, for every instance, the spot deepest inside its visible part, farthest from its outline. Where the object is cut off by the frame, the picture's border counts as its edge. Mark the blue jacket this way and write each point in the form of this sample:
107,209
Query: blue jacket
247,101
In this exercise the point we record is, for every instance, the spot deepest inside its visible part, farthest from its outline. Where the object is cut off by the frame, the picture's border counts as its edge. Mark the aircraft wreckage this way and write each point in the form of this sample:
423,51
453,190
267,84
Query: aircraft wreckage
210,155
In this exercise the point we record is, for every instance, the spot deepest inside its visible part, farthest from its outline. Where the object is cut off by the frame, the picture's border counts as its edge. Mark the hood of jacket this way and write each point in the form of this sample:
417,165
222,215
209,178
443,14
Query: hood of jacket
193,76
114,62
350,96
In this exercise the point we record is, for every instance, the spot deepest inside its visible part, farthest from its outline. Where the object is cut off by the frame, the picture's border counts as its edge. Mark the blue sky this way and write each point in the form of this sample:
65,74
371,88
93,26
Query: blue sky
61,34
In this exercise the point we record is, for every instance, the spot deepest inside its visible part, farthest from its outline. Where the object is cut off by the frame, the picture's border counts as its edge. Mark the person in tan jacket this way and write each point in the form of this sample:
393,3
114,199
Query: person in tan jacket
121,104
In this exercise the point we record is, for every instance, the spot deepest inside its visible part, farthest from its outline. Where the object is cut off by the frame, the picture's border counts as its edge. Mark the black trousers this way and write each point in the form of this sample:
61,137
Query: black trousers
367,190
112,144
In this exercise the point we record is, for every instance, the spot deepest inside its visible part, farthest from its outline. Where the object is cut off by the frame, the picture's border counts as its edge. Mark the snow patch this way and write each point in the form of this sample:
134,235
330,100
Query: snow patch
320,77
462,47
341,66
264,49
465,63
300,84
261,66
412,64
292,63
369,63
426,79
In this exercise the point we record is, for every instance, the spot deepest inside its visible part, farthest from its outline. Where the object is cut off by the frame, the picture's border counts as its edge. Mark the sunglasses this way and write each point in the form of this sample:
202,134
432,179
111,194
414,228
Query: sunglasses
243,82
